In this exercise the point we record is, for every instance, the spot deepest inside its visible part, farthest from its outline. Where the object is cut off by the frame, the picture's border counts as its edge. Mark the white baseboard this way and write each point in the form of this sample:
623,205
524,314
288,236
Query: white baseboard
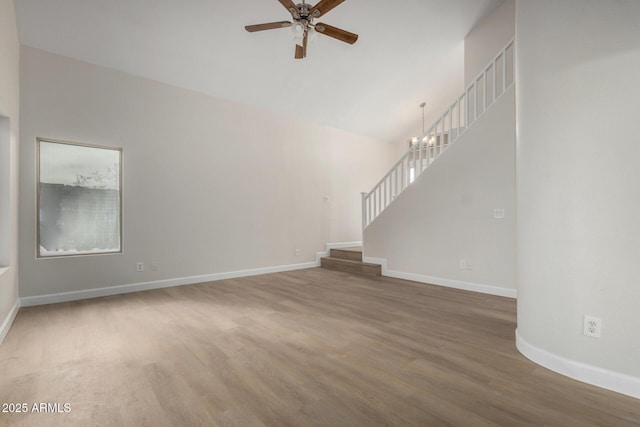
449,283
330,246
158,284
610,380
8,321
321,255
145,286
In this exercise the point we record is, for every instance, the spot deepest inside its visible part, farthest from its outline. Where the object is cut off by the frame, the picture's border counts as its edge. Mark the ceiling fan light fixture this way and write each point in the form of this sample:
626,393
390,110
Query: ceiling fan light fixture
297,29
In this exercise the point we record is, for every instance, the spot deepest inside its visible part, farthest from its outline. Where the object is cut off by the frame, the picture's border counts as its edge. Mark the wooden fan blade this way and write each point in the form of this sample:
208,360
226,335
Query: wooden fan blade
301,51
305,40
290,6
336,33
268,26
323,7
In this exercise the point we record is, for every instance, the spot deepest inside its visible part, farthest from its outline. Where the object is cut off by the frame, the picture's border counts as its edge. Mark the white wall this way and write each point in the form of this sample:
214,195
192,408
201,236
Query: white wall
578,147
5,190
447,213
209,186
9,111
487,38
400,149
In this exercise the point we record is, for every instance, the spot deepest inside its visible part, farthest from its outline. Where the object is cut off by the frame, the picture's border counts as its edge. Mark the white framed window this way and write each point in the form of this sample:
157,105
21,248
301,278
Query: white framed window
79,205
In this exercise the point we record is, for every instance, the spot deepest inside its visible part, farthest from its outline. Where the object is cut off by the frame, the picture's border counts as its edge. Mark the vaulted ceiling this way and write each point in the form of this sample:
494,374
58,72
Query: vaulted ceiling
409,51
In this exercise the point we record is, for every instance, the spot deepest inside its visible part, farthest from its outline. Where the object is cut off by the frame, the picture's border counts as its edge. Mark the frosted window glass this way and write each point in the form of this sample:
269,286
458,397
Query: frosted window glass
79,199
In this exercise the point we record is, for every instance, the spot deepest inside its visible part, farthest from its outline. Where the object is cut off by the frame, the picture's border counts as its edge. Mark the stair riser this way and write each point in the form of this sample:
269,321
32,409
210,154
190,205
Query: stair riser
368,270
343,254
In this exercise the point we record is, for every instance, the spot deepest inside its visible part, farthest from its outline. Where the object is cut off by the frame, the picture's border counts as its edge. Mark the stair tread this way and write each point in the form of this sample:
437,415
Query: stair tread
346,253
350,261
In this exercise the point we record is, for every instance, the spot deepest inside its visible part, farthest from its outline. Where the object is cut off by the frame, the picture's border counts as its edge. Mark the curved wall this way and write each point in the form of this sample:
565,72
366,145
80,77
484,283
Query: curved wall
578,187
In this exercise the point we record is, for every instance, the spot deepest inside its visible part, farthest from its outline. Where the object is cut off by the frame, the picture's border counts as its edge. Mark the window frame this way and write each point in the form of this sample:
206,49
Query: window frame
120,197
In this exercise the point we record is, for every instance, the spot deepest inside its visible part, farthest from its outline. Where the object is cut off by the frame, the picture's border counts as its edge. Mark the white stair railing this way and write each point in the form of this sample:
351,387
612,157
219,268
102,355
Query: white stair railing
488,87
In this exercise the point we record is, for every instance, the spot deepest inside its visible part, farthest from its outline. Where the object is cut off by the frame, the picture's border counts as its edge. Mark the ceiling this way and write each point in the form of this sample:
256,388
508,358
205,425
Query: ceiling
409,51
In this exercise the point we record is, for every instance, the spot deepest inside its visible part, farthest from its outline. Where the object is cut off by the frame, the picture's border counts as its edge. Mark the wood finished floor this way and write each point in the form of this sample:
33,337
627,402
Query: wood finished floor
305,348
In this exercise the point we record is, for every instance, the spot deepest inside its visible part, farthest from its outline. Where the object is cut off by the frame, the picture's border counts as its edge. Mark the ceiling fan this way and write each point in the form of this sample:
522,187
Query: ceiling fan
303,16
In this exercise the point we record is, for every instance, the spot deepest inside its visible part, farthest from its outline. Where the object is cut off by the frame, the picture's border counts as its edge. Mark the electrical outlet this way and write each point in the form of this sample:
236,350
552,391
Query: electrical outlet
592,326
463,264
498,213
139,266
297,252
153,266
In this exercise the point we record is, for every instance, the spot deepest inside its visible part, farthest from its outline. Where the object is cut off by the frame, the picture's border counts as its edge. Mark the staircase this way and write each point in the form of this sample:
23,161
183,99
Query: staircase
488,86
349,260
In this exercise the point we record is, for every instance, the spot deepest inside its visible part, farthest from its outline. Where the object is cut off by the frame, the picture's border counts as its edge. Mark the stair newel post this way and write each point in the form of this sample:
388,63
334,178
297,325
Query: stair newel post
364,209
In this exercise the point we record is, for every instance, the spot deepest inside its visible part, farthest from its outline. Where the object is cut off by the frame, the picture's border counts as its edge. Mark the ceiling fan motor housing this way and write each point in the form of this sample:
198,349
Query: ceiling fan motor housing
302,13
